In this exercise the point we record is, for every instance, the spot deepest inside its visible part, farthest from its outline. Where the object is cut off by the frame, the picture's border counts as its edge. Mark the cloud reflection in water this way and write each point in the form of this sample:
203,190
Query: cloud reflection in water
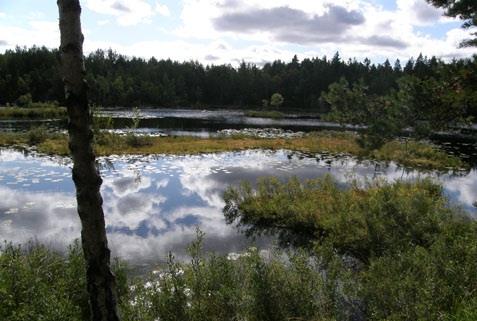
154,203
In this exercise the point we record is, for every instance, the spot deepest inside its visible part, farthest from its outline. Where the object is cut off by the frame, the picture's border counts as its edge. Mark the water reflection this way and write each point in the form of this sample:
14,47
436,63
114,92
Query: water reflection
154,203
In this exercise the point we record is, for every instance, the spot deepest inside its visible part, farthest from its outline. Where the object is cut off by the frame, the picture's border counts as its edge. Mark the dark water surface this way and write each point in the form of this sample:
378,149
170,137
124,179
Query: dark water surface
154,203
185,121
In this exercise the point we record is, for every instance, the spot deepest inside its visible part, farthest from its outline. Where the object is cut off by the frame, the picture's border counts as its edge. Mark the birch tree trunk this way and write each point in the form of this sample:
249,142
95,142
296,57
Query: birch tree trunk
101,281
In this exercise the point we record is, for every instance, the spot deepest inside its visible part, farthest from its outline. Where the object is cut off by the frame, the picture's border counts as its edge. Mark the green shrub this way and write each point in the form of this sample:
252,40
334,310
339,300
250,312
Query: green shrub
37,283
248,287
37,135
134,140
265,114
24,100
398,249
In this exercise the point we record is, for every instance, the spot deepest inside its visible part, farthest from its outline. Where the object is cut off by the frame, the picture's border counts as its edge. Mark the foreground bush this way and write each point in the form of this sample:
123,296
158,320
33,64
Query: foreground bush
40,284
249,286
37,283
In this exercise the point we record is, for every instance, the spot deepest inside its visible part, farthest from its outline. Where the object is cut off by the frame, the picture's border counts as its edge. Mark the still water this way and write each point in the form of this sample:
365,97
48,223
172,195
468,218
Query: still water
154,203
202,123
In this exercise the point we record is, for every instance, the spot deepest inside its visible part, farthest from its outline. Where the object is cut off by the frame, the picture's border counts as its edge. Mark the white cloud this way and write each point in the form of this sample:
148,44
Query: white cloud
418,12
162,9
127,13
37,32
383,33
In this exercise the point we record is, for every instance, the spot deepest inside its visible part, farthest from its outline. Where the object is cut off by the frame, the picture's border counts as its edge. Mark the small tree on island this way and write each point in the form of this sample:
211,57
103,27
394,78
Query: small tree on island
276,100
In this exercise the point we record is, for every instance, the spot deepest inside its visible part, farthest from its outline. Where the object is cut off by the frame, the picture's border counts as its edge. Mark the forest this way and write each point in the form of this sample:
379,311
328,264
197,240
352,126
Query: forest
115,80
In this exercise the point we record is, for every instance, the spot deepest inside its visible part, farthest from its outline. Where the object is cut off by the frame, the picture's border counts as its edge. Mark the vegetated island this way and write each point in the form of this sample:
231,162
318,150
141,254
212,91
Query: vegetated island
409,153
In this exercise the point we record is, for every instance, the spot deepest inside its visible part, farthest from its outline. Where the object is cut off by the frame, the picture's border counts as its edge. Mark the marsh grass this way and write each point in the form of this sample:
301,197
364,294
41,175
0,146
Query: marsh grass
34,112
264,114
411,154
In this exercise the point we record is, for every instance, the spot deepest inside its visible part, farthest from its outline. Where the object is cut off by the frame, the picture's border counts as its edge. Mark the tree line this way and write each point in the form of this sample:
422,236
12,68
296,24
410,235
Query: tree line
32,74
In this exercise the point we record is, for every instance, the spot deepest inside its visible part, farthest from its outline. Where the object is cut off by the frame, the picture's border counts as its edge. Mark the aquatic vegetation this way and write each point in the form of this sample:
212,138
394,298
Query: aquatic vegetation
37,135
36,111
264,114
410,154
400,249
401,281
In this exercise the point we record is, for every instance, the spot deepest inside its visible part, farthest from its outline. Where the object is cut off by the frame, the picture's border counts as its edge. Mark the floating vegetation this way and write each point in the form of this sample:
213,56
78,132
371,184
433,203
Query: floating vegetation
261,133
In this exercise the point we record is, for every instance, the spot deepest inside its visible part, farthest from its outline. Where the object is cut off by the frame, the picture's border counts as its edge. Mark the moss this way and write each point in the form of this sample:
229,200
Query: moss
415,154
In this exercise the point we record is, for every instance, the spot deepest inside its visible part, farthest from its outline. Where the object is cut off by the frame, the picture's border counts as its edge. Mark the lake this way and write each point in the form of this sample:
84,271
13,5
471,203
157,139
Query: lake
186,122
154,203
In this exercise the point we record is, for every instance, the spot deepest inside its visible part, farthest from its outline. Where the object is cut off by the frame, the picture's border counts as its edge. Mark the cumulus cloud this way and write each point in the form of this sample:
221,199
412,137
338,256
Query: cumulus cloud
385,41
120,7
128,13
259,31
419,12
36,32
355,28
291,25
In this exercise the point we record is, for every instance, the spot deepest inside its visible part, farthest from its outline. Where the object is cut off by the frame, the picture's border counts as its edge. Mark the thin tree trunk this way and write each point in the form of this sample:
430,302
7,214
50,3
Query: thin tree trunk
101,281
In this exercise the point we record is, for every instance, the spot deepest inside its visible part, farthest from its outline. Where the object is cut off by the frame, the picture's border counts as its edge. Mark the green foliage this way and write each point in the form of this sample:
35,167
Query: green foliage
349,104
117,80
398,248
353,105
246,287
37,135
276,100
35,111
463,9
33,284
264,114
423,105
417,154
429,104
419,267
39,284
133,139
24,100
352,219
101,126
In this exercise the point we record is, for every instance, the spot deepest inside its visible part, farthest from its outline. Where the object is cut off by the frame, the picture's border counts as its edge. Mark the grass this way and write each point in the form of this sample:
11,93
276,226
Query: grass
412,154
34,112
264,114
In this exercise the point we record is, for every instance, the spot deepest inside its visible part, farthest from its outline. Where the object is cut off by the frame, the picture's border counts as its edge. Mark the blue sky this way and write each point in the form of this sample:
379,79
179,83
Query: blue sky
229,31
